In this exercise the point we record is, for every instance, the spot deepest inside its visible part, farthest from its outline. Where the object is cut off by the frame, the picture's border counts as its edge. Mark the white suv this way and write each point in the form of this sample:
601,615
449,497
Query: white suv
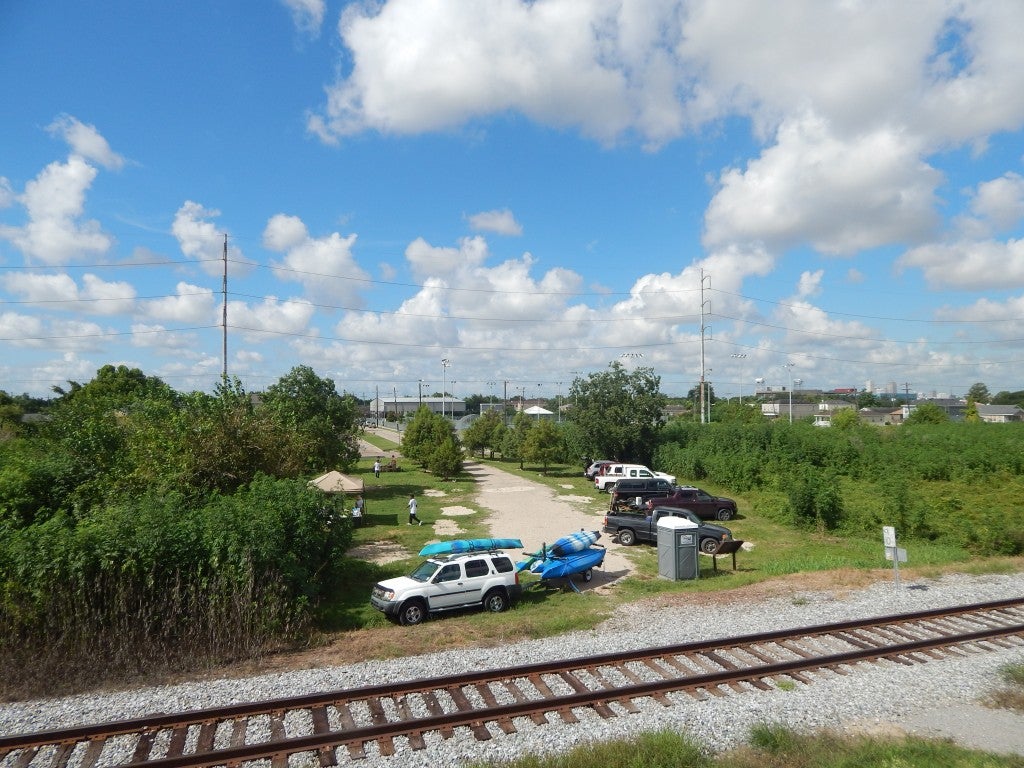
487,579
615,472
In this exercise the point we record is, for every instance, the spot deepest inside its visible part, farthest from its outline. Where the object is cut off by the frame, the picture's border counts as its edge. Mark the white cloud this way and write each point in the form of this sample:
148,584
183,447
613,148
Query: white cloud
54,202
842,195
86,141
969,265
502,222
191,304
158,338
308,15
270,316
201,240
1000,201
324,266
423,65
999,317
22,330
7,196
946,71
95,297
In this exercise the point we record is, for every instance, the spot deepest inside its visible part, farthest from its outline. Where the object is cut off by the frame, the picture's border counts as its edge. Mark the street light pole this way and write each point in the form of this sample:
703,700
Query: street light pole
789,367
741,357
445,362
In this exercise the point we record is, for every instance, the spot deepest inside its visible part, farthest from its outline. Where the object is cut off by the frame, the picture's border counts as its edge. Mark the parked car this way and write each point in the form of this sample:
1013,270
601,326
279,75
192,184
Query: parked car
595,468
485,579
633,493
704,504
615,472
631,527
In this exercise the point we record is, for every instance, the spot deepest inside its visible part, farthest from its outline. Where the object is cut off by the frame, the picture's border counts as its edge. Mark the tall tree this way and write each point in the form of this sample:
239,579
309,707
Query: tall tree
318,417
619,413
979,393
927,413
544,444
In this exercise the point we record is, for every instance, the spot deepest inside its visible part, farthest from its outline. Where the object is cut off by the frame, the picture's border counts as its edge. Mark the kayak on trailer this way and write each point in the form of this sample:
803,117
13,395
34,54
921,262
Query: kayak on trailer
569,565
574,542
457,546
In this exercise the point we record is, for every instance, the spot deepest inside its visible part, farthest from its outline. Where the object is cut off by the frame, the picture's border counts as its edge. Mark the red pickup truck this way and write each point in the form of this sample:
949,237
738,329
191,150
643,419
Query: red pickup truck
702,503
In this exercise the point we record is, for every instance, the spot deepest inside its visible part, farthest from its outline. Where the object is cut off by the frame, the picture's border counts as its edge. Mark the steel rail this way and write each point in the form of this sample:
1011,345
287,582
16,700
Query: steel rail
181,722
476,718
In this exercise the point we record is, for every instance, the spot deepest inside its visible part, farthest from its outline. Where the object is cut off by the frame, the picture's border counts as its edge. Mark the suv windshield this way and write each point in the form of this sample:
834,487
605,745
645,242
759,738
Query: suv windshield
424,571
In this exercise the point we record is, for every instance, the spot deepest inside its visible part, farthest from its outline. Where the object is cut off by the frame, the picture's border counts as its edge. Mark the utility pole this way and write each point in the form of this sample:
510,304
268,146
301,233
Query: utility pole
704,418
224,316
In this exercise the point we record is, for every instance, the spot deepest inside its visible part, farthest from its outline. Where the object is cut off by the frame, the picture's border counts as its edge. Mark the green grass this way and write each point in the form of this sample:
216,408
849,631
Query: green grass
770,747
777,551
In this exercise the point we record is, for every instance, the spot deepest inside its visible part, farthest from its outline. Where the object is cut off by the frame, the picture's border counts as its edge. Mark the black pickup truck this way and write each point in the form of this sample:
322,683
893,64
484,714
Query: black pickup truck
631,527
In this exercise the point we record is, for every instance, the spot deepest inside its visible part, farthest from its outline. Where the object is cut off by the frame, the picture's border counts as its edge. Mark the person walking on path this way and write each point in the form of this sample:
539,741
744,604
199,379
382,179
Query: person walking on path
412,510
376,468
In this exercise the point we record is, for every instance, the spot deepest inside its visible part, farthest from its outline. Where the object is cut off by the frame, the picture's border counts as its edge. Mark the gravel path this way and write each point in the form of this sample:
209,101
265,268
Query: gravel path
937,698
534,513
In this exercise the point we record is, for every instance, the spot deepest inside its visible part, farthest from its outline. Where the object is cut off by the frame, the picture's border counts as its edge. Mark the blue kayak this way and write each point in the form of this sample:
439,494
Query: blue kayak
456,546
569,565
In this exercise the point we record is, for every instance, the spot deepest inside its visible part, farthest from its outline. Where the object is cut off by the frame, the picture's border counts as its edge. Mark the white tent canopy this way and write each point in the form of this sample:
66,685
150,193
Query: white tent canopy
536,410
335,482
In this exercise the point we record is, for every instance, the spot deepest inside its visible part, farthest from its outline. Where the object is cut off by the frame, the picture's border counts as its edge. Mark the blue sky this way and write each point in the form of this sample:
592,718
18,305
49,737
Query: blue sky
528,190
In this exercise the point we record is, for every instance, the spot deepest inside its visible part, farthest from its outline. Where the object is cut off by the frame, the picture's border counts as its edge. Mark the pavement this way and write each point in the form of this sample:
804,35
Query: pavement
969,725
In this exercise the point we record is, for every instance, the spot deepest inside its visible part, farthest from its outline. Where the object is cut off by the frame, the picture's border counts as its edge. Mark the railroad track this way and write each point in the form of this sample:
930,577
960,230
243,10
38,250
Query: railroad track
340,725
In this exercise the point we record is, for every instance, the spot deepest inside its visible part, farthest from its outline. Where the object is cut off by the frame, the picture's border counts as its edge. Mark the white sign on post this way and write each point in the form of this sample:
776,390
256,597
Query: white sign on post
892,553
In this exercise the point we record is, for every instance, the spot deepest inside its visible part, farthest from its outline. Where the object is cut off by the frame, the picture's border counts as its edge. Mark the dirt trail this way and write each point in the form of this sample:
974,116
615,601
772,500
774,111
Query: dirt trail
538,515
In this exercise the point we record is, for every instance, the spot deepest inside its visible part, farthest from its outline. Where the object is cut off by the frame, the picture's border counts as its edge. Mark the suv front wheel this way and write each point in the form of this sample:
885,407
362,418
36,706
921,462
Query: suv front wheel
496,601
723,515
413,612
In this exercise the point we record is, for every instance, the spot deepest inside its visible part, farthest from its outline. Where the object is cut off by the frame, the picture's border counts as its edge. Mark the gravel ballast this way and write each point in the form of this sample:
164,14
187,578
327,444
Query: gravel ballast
876,697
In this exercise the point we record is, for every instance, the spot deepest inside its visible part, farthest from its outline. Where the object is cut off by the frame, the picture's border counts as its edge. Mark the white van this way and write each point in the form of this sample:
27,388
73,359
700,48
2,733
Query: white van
615,472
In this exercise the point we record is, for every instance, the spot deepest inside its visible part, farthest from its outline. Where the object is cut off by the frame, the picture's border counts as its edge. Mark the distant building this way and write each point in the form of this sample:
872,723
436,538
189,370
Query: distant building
404,406
1000,414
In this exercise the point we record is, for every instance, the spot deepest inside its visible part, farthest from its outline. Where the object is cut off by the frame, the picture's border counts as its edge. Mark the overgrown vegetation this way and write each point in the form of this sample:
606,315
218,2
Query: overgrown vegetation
140,527
962,484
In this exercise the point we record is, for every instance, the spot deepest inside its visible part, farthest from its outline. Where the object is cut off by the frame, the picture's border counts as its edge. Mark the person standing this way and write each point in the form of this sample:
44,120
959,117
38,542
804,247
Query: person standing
376,468
412,510
357,512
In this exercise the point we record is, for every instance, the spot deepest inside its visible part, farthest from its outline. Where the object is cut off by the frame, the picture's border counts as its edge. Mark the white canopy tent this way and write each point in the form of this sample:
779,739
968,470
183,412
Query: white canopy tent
335,482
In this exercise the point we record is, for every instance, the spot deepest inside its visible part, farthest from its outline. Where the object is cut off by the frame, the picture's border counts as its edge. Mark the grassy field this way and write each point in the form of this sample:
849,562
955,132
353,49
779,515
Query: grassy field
776,551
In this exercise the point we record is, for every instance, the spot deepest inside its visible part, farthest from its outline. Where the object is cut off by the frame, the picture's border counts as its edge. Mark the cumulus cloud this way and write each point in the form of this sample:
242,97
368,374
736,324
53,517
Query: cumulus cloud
308,15
948,72
325,266
270,316
203,241
59,291
6,193
1000,201
54,202
157,337
501,222
968,264
840,195
86,141
190,304
424,65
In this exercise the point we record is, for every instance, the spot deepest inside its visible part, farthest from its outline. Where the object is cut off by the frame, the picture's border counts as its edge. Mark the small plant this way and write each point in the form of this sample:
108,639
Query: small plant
1011,694
785,685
